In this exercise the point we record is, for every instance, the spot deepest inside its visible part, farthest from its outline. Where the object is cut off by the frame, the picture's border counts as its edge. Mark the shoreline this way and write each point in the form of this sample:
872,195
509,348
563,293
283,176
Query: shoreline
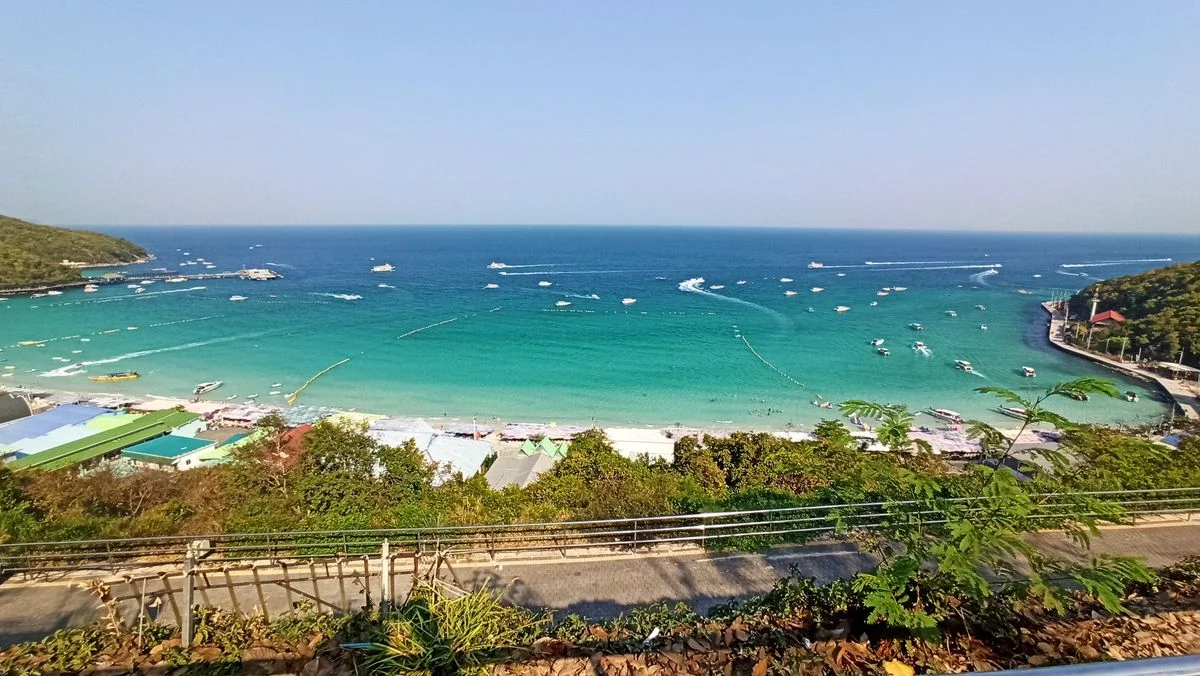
1184,401
77,283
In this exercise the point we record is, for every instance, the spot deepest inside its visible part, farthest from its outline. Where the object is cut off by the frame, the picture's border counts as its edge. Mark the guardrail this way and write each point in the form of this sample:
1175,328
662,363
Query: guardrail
769,526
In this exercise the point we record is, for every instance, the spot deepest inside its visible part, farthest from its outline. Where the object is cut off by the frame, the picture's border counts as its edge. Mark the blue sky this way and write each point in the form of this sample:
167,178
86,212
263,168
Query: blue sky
968,115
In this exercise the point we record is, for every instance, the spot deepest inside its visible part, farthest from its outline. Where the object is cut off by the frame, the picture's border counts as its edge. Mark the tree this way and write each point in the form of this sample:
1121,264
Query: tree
895,421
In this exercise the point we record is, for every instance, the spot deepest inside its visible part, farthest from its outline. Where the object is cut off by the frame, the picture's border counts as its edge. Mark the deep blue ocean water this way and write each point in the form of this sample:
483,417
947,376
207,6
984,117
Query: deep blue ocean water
511,353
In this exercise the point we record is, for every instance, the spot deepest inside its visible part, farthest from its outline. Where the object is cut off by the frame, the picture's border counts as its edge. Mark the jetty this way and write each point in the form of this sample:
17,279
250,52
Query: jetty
252,274
1181,394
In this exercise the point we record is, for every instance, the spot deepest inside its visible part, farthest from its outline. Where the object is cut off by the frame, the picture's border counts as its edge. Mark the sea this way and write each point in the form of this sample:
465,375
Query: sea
716,338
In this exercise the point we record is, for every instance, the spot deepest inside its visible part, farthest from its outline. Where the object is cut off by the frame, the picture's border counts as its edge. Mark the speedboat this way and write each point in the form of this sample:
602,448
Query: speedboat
1022,292
785,280
883,351
947,415
205,388
140,290
916,327
812,309
877,342
741,281
1078,396
816,289
386,267
132,286
789,293
562,303
236,298
717,287
881,293
980,307
628,301
492,286
1028,372
841,308
873,303
544,283
815,265
496,266
91,288
899,288
1130,395
1012,412
841,274
175,280
54,293
951,313
983,327
920,346
114,377
963,365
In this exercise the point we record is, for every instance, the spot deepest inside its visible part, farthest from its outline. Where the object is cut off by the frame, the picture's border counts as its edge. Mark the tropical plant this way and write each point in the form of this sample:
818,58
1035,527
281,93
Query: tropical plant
895,420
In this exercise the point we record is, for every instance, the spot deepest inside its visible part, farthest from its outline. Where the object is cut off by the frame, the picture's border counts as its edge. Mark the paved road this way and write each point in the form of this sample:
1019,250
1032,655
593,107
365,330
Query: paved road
598,587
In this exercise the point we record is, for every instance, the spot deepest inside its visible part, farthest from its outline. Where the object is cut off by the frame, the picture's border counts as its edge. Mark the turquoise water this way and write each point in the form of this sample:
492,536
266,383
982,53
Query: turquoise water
673,356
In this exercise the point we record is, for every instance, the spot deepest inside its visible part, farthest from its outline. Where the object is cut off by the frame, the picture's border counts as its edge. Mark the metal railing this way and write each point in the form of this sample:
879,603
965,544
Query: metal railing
789,524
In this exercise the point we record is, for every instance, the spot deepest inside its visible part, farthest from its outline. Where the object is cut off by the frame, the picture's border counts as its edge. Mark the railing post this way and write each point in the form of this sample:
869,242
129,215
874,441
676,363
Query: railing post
385,575
635,544
189,597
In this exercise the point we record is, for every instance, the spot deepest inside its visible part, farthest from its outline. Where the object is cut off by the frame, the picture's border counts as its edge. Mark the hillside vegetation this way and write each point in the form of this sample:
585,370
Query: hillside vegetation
1162,306
32,255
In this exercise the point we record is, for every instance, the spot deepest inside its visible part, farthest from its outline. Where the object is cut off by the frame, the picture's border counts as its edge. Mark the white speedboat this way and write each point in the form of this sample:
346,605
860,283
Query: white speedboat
140,290
562,303
175,280
883,351
947,415
235,299
980,307
841,274
384,286
496,266
920,346
91,288
717,287
916,327
741,281
54,292
1022,292
492,286
841,308
1028,372
899,288
386,267
951,313
881,293
205,388
877,342
786,280
812,309
873,303
983,327
815,265
132,286
963,365
789,293
628,301
544,283
1012,412
816,289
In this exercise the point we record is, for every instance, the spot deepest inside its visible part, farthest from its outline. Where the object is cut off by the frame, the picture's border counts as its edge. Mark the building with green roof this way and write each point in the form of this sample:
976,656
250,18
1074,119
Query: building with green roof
170,450
144,428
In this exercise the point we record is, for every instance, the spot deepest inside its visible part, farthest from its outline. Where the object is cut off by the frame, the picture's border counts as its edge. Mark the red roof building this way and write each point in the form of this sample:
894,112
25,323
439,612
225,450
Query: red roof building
1107,318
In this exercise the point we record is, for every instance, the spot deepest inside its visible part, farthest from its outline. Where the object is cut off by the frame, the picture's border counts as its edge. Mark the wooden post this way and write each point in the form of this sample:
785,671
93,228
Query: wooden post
262,600
232,594
189,598
166,583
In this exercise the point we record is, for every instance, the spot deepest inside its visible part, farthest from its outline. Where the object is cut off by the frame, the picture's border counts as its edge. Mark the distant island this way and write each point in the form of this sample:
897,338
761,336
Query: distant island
1157,311
40,255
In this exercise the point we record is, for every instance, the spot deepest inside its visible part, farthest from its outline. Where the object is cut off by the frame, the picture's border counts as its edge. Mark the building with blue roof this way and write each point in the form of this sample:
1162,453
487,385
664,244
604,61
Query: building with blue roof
47,421
171,450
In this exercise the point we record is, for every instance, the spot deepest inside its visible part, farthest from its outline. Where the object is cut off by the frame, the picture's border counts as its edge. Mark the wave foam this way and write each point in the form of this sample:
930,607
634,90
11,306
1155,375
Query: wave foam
342,296
693,286
173,348
1130,261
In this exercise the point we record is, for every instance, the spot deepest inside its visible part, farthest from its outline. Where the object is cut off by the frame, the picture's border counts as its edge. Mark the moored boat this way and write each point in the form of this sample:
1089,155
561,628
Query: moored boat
386,267
816,289
562,303
916,327
920,346
786,280
628,301
544,283
877,341
947,415
883,351
1130,395
204,388
1012,412
91,288
951,313
1028,372
492,285
236,298
963,365
983,327
841,308
114,377
789,293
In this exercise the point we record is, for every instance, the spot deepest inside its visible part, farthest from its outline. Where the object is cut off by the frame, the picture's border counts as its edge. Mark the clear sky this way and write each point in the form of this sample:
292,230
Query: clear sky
962,114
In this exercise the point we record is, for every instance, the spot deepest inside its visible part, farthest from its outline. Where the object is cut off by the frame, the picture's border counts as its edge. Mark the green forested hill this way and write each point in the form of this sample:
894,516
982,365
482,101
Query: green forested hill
1162,306
32,255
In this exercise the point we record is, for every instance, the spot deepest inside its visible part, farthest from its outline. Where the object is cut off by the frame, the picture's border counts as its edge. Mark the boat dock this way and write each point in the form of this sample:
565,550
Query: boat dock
1182,393
253,274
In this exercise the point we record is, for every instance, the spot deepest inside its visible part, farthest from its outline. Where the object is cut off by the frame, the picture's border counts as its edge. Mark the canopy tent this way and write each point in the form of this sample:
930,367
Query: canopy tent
518,471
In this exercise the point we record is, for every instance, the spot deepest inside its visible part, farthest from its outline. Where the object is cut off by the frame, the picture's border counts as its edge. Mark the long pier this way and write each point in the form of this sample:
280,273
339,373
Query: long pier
129,279
1184,399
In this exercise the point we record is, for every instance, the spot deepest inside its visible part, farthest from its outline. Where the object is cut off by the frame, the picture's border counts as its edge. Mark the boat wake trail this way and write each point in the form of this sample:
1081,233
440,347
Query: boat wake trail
281,265
910,262
506,266
590,296
1072,274
981,277
426,328
890,267
693,286
173,348
68,370
342,296
1099,264
131,295
560,272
